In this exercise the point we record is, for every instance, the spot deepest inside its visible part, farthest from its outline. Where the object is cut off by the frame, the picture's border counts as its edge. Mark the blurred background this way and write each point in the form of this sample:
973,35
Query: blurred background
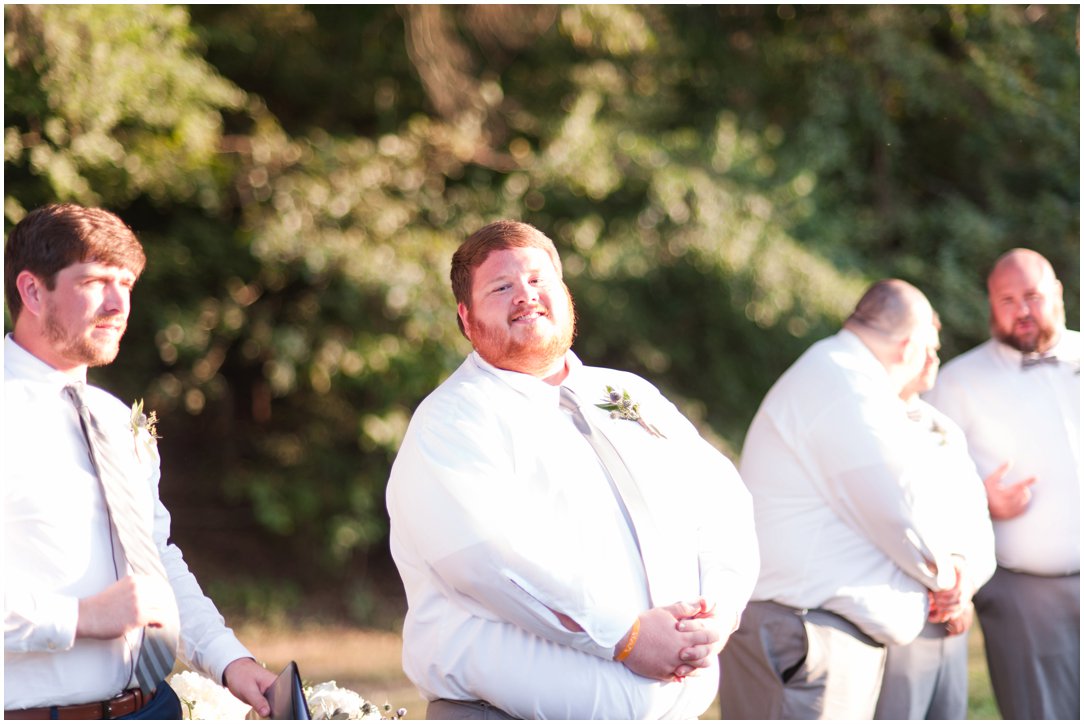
721,181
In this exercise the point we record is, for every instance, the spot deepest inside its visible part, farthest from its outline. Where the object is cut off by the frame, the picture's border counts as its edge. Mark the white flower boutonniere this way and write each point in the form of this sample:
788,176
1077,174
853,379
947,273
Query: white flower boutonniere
940,432
621,407
144,423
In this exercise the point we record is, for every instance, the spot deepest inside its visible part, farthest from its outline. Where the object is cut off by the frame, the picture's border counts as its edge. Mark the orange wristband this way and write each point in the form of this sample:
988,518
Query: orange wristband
633,636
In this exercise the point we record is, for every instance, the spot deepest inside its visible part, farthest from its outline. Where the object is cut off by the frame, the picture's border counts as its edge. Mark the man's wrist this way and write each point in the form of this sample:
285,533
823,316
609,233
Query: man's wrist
225,671
628,642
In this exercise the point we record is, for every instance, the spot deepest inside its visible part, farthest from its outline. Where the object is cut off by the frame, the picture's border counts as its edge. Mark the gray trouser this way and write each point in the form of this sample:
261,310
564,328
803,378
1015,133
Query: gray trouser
927,678
785,663
449,709
1032,630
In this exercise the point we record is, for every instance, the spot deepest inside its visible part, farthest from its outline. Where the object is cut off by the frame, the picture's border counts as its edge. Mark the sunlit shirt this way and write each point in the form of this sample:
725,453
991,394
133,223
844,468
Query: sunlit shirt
58,548
1031,417
501,511
837,474
957,495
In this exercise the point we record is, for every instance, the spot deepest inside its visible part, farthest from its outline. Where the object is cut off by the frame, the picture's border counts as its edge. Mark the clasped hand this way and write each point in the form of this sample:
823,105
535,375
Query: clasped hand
952,606
677,640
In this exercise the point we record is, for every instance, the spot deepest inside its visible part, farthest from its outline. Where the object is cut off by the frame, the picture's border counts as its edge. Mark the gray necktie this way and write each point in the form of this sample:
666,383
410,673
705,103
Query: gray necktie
627,492
158,652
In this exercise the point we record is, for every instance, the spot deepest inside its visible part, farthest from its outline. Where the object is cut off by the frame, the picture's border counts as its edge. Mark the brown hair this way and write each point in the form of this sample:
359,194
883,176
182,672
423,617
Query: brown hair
498,235
54,237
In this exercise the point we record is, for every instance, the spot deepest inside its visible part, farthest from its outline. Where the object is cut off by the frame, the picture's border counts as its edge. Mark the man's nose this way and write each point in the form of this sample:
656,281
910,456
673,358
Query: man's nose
526,293
117,299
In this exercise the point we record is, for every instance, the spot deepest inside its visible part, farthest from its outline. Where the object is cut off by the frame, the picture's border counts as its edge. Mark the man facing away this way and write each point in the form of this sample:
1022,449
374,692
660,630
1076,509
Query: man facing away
547,577
928,678
80,612
848,530
1017,399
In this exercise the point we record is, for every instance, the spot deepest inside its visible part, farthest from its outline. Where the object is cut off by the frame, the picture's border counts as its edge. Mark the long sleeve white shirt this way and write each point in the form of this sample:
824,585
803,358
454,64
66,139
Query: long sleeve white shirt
58,548
957,496
1031,417
501,514
836,471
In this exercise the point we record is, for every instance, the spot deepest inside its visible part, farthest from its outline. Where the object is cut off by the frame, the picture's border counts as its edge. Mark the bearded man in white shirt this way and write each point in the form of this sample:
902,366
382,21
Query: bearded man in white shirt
928,678
1017,399
539,584
76,615
844,504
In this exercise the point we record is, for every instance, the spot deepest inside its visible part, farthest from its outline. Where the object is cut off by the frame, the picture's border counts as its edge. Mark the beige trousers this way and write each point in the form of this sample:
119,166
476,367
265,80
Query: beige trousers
449,709
786,663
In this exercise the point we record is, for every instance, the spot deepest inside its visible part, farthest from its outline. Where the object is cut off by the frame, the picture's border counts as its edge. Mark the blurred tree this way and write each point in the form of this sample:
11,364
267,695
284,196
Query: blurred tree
722,182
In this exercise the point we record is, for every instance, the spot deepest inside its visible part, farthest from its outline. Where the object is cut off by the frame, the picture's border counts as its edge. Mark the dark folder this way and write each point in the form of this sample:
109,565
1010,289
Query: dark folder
287,697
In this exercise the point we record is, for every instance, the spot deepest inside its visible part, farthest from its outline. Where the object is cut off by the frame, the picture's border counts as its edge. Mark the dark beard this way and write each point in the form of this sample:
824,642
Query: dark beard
1043,340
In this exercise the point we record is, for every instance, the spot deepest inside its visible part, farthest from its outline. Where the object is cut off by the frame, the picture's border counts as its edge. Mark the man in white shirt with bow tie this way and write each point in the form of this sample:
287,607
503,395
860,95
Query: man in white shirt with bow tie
77,612
571,548
1017,399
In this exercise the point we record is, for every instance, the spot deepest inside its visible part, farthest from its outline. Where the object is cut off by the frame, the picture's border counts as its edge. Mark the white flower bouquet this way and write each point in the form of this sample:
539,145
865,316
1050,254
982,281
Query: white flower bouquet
203,699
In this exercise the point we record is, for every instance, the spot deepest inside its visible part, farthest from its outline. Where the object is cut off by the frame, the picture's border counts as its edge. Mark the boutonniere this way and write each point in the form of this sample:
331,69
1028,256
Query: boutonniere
940,432
144,423
621,407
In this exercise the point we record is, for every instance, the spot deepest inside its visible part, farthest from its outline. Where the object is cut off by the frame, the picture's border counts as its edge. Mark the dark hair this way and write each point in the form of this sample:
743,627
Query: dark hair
473,252
54,237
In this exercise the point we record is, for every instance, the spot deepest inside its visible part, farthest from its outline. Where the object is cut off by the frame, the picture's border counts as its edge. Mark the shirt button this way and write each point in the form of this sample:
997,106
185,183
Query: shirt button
52,646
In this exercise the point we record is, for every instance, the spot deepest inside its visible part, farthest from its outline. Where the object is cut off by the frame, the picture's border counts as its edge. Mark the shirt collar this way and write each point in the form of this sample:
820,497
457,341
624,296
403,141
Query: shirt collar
528,385
863,354
22,364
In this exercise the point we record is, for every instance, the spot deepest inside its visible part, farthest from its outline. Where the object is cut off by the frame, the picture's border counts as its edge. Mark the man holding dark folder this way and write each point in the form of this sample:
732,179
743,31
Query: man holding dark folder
98,601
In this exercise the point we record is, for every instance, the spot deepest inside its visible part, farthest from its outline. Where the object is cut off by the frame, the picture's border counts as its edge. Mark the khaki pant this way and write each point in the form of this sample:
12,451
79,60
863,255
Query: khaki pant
448,709
786,663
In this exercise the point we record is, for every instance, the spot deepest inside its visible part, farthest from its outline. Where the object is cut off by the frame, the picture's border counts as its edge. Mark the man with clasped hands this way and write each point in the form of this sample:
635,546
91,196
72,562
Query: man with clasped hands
537,586
76,619
846,504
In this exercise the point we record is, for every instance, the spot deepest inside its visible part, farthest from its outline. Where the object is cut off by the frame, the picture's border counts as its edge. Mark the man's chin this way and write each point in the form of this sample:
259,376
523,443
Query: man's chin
528,359
1021,343
96,355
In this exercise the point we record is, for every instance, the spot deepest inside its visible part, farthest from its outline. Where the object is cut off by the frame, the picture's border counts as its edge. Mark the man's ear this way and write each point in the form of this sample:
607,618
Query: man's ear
903,347
464,324
31,290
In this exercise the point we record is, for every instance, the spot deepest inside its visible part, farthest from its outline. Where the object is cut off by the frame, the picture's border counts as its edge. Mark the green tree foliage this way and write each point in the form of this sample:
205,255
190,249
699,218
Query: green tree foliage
722,181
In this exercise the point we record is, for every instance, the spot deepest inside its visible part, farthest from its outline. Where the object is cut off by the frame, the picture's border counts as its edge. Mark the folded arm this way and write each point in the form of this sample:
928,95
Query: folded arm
878,481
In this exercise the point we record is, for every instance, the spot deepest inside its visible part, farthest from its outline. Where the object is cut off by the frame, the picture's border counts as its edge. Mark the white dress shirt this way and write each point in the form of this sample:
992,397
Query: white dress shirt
58,548
1031,417
837,475
958,496
500,512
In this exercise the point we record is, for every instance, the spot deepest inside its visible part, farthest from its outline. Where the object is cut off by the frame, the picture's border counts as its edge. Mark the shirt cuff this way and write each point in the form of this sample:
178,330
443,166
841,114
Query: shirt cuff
222,652
42,623
63,611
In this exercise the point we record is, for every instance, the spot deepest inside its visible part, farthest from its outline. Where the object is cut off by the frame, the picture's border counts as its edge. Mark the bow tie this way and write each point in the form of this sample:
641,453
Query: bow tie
1031,360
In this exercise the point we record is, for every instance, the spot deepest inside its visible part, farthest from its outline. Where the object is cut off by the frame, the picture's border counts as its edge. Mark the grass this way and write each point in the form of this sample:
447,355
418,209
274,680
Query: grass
980,697
370,663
